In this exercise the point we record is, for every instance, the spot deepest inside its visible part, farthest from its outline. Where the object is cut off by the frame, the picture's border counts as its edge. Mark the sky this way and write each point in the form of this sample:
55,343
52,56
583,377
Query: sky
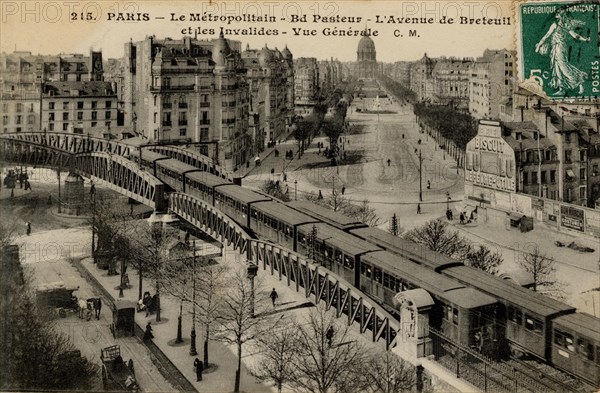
52,27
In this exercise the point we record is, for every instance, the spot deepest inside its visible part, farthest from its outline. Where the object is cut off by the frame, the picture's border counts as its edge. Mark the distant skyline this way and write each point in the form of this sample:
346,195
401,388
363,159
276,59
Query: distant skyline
55,33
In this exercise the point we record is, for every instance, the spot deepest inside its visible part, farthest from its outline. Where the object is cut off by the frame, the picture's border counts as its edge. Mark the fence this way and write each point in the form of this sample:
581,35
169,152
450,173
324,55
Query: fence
482,372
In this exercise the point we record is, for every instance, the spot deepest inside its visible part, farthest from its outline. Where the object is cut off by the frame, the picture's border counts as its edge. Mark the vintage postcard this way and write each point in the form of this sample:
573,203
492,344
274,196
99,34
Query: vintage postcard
300,196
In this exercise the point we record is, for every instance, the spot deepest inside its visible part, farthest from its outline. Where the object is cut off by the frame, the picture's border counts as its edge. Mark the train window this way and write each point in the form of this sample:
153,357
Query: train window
365,269
569,343
377,275
533,324
449,313
338,256
386,280
559,338
348,262
585,348
455,316
598,354
288,231
515,315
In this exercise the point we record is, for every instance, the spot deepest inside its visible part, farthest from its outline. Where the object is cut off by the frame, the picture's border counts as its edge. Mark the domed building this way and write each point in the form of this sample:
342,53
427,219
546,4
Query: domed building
366,66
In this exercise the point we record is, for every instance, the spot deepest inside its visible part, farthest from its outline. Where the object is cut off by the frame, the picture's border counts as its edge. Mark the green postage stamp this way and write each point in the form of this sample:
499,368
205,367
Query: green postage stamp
559,48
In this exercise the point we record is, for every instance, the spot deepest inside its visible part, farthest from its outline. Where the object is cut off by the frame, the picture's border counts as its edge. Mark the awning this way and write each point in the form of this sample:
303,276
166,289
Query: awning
570,173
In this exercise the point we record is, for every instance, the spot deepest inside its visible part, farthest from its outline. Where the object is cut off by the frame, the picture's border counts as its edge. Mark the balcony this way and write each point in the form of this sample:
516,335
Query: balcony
204,104
183,105
205,122
166,123
183,122
167,105
172,88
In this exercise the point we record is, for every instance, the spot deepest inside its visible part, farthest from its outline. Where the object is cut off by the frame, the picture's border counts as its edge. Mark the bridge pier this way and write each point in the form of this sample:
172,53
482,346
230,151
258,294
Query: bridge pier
74,196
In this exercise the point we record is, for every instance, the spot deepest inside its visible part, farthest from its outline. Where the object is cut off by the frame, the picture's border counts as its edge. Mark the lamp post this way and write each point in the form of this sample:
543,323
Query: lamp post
122,275
193,351
252,272
420,176
295,190
447,201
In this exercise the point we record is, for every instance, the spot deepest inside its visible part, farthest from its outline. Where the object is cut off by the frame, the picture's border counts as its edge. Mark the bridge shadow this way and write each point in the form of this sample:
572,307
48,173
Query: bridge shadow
280,310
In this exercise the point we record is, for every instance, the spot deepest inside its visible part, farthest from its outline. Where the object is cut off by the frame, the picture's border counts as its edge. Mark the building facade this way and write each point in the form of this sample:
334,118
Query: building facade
306,85
451,81
421,79
190,91
491,83
366,59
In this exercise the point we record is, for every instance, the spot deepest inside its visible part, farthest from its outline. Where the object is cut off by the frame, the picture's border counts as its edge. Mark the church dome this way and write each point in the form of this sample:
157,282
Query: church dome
265,57
366,44
220,50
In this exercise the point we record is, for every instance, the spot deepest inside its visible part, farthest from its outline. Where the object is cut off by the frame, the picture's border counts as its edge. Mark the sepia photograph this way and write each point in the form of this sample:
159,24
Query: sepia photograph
351,196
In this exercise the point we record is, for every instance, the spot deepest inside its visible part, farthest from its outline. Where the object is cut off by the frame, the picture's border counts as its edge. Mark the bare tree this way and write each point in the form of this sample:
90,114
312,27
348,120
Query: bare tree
200,282
540,266
326,358
277,352
394,227
387,373
8,231
363,212
484,259
436,236
237,324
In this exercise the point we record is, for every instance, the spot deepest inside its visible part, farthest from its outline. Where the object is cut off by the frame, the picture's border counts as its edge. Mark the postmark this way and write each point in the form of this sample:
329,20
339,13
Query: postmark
558,48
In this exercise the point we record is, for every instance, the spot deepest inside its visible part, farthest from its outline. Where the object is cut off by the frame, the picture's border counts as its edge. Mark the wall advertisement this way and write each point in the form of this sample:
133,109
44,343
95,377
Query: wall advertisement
571,217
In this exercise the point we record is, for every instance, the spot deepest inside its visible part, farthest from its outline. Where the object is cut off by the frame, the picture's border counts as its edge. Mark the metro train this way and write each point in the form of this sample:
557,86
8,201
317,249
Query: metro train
467,301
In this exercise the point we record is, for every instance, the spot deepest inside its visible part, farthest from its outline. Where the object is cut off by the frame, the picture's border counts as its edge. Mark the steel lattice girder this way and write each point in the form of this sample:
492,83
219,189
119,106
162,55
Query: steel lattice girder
72,143
122,176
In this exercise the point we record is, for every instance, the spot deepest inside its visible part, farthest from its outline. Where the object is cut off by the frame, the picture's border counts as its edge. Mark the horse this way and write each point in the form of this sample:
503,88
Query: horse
95,304
81,306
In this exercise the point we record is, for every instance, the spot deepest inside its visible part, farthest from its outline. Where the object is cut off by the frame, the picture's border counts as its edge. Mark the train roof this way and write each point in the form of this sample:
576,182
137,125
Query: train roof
417,275
582,323
176,165
336,219
339,239
241,194
509,292
469,298
207,178
411,250
149,155
282,212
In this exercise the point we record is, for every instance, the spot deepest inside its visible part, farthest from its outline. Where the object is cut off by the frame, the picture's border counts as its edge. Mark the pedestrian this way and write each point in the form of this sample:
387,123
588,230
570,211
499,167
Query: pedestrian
329,336
418,208
187,238
92,189
28,228
148,333
199,365
27,185
320,195
389,162
273,296
428,184
343,189
462,217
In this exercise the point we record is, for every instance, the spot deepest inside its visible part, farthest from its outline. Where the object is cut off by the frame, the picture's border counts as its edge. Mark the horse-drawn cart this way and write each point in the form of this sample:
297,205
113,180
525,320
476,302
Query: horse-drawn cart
116,373
57,296
123,318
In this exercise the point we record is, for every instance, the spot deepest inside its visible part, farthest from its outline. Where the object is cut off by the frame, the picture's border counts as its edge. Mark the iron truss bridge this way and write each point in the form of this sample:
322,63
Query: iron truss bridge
317,283
102,162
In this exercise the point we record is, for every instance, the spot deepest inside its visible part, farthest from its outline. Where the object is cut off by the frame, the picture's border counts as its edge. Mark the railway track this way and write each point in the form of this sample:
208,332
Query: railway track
551,378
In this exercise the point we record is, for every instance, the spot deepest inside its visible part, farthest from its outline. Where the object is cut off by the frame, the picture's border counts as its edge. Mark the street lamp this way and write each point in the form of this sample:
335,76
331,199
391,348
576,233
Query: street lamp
447,201
420,176
295,190
193,351
252,272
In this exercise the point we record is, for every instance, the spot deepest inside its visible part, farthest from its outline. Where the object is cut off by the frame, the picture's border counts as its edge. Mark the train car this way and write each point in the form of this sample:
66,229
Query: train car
335,249
172,172
328,216
235,202
202,185
147,159
576,346
278,223
463,314
526,315
408,249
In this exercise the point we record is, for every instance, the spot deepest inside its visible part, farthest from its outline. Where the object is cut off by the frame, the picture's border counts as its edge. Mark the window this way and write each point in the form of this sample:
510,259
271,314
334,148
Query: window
19,119
595,170
155,117
108,104
533,324
529,156
107,115
51,105
183,118
79,115
582,173
166,118
79,104
65,106
455,316
30,119
534,178
567,155
568,137
4,120
515,315
582,155
65,116
51,126
525,178
543,177
94,104
5,107
107,124
19,107
94,115
65,126
182,132
582,193
548,154
553,176
94,123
